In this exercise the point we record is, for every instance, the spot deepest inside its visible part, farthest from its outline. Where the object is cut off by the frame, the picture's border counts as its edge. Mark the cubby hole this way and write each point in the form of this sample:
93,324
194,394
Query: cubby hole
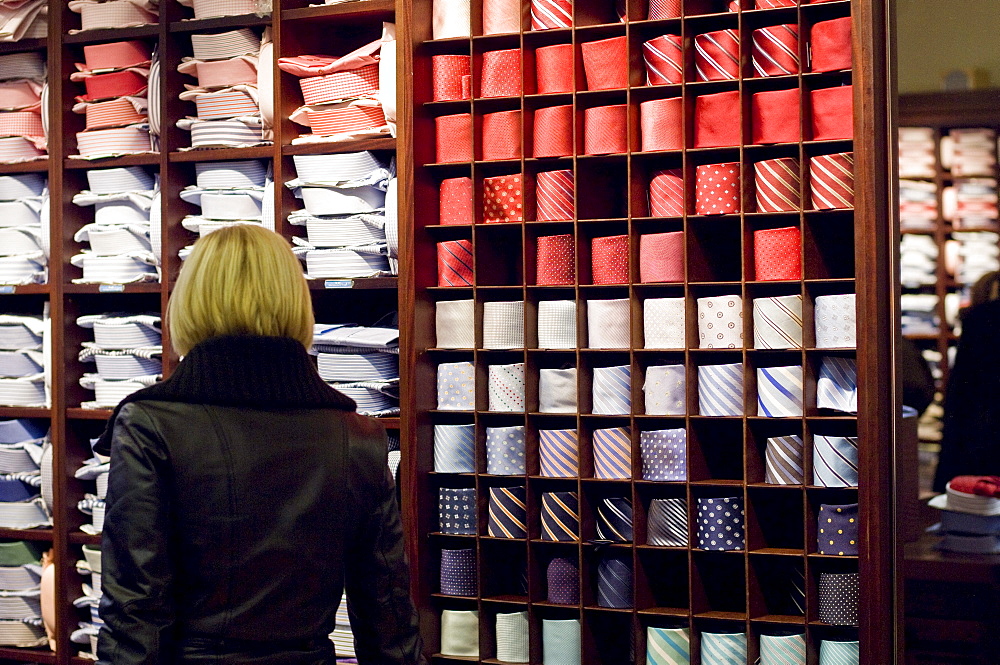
777,587
714,249
662,581
715,451
503,570
718,584
774,520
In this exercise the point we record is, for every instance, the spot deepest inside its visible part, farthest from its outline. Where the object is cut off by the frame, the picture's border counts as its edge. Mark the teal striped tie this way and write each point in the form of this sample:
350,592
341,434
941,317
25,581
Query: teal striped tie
668,646
723,648
782,650
839,653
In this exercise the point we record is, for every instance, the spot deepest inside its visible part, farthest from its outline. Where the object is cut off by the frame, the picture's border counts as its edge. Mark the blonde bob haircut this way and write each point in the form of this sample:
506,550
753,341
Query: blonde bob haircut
240,280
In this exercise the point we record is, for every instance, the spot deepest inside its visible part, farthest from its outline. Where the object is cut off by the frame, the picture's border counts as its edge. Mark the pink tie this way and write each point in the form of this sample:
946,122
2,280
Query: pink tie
717,55
717,189
661,257
605,63
778,183
666,193
554,69
502,135
456,201
501,74
549,14
503,199
554,196
831,181
553,133
664,58
454,138
604,130
662,122
776,50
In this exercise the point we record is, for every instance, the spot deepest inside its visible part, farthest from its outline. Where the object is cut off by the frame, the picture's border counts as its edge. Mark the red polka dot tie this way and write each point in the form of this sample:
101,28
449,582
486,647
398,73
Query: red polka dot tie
447,73
777,254
502,135
717,189
501,74
609,260
456,201
556,261
503,199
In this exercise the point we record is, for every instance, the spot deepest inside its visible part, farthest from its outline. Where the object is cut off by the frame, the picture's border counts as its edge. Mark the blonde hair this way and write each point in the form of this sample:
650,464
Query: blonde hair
241,279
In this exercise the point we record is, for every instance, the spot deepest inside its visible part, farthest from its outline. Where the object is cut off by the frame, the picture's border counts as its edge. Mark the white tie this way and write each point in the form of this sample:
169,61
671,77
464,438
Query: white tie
557,324
836,322
608,324
506,387
779,392
455,324
503,325
557,390
720,322
777,322
612,390
663,323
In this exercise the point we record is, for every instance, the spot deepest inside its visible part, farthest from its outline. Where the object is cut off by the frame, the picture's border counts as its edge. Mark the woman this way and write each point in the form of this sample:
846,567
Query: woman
245,493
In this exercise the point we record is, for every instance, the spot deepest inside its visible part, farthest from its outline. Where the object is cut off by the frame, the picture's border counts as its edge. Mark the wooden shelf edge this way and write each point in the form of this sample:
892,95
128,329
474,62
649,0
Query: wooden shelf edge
356,9
137,159
24,45
25,412
140,287
222,154
239,21
381,143
26,534
34,166
81,538
33,655
112,34
362,283
77,413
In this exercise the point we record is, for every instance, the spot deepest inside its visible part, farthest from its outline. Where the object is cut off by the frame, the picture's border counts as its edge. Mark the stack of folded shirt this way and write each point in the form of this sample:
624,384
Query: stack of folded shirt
227,96
22,130
22,366
970,515
86,633
971,203
127,350
361,362
117,81
20,593
238,192
919,314
126,228
218,8
970,152
21,504
24,228
918,206
345,214
916,152
101,14
978,254
918,256
23,19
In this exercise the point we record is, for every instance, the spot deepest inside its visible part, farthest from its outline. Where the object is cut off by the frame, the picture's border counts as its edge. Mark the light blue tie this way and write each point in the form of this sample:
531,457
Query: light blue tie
723,648
837,386
835,461
664,454
839,653
454,448
505,450
561,642
665,390
456,386
612,390
779,392
720,390
782,650
668,646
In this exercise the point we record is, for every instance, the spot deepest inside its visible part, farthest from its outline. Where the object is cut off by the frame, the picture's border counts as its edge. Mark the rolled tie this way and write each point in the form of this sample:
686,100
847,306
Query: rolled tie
777,254
782,650
455,201
717,120
563,581
664,323
665,390
612,453
457,511
605,63
721,524
460,629
837,386
501,134
554,69
501,16
661,9
831,181
837,529
774,117
608,324
560,516
720,390
508,514
551,14
717,55
835,461
664,58
604,130
553,134
506,387
505,455
455,263
609,260
556,260
557,324
832,652
561,642
614,581
666,193
501,74
661,257
458,572
662,124
783,460
832,113
503,199
717,189
557,390
453,136
512,637
612,388
776,50
559,453
667,523
779,392
554,193
720,322
777,322
774,4
664,454
838,598
455,324
778,185
455,449
614,520
836,321
447,72
456,386
503,325
830,45
723,648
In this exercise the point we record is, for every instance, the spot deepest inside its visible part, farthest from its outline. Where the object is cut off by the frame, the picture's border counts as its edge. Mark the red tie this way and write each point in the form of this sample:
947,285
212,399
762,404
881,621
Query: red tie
777,254
774,4
455,263
717,189
717,55
502,135
662,124
501,75
554,196
660,9
776,50
604,130
717,120
664,60
553,135
831,181
454,138
456,201
978,485
555,262
605,63
831,45
833,113
554,69
661,257
448,71
775,116
503,199
666,193
609,260
549,14
778,184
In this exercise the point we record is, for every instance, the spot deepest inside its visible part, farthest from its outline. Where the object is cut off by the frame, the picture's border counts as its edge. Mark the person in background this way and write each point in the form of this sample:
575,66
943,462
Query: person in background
245,493
970,443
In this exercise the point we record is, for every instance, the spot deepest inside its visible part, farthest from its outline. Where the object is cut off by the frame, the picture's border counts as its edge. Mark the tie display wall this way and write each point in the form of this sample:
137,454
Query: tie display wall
652,261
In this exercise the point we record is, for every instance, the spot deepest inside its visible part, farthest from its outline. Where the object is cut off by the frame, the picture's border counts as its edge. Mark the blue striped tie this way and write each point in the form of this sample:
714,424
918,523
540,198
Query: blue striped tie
837,386
720,390
612,453
508,515
782,650
835,461
839,653
612,390
614,520
614,581
559,453
783,457
779,392
454,448
724,649
666,523
505,450
560,516
668,646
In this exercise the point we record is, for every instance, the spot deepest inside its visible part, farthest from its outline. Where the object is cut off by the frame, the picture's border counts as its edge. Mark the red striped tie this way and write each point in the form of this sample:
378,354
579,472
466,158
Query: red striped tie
774,4
502,135
666,193
604,130
455,263
549,14
503,199
717,55
717,189
456,201
554,196
660,9
664,59
776,50
662,124
555,261
831,181
553,131
778,184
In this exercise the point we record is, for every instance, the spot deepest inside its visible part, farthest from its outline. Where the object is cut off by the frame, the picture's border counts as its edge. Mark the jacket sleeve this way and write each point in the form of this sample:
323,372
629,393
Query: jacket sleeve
136,562
377,581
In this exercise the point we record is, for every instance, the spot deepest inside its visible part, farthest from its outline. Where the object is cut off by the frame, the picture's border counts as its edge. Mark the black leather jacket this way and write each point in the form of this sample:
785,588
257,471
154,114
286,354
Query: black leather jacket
231,532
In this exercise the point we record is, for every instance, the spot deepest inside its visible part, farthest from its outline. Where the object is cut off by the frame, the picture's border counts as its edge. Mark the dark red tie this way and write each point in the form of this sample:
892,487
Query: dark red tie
553,131
661,257
717,120
502,135
830,44
777,254
776,50
717,189
556,263
717,55
453,138
609,260
664,58
554,196
501,73
604,130
455,263
778,185
448,71
666,193
554,69
775,116
456,201
833,113
503,199
662,124
605,63
660,9
831,181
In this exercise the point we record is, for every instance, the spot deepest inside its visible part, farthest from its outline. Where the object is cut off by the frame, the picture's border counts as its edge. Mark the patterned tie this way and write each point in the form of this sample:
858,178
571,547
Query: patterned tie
777,322
660,9
506,387
614,581
717,55
454,448
783,457
456,201
604,130
832,113
774,4
554,191
508,514
456,386
661,123
661,257
666,193
779,392
612,390
501,135
457,511
453,138
560,516
505,450
501,73
455,263
774,116
720,322
664,323
458,572
664,59
664,454
835,461
667,523
503,199
837,529
720,390
447,73
608,324
839,653
778,183
563,578
837,387
666,390
557,390
512,637
720,524
556,260
455,324
717,120
782,650
836,321
559,453
460,633
831,181
614,520
609,260
717,189
668,646
553,135
557,324
605,63
838,598
550,14
723,648
561,642
830,45
503,325
554,69
612,453
777,254
776,50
